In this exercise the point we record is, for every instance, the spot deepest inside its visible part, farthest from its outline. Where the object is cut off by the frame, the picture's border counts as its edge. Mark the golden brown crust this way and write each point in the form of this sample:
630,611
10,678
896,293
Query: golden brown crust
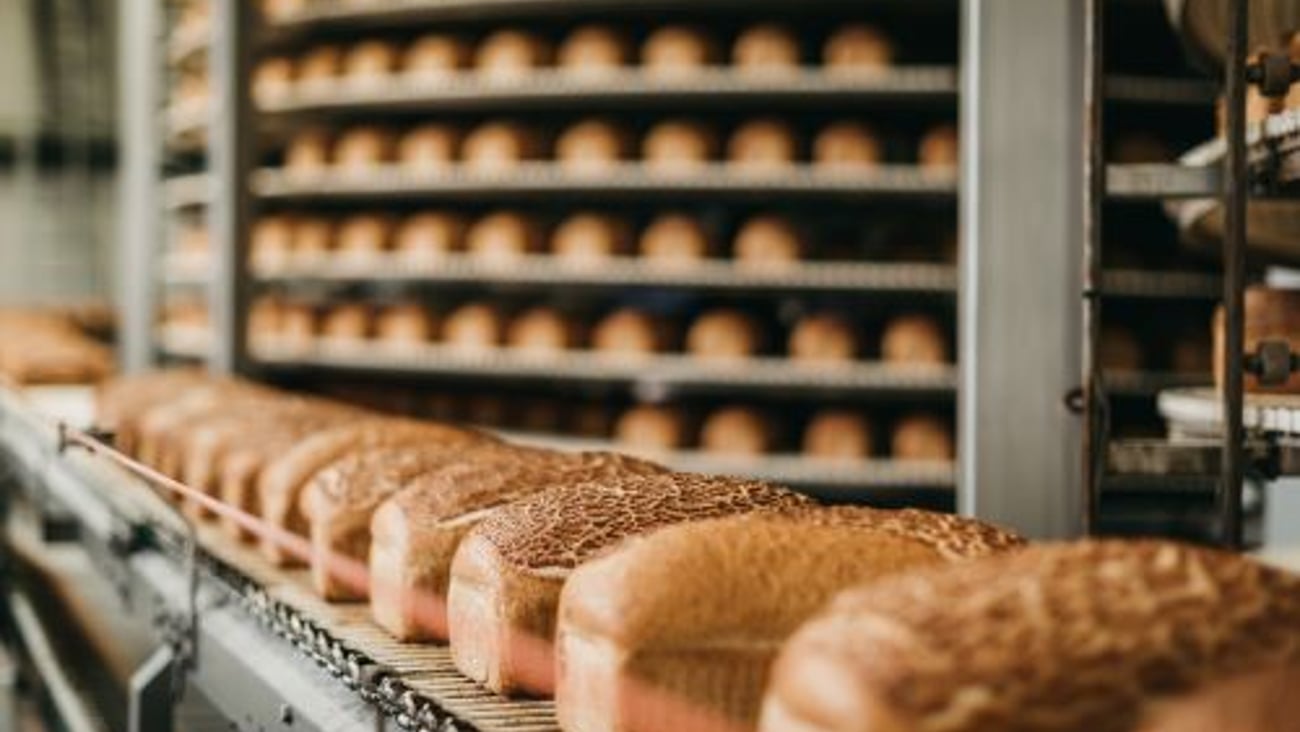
1054,638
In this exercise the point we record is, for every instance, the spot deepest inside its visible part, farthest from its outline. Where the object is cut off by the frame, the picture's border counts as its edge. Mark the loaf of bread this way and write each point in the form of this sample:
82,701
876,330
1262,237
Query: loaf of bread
847,145
121,402
695,613
677,50
678,146
405,325
282,480
1270,315
838,434
271,241
824,337
346,323
507,574
362,236
1105,636
415,533
370,61
938,150
588,238
856,48
320,65
339,500
473,327
1121,350
543,331
629,332
914,339
308,151
508,53
652,428
502,237
264,316
281,10
273,79
762,144
428,147
675,239
312,236
724,333
594,144
1192,354
922,437
768,240
766,48
298,326
192,239
737,430
496,146
360,149
594,49
426,236
435,55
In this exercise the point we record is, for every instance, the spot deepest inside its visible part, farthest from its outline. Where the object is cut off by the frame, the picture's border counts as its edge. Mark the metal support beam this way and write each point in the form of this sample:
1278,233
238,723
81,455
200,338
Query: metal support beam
138,153
230,153
1021,224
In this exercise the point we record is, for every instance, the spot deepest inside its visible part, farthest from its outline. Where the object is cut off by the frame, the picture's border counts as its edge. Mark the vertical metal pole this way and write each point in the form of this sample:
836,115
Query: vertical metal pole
1234,267
138,169
1021,220
150,707
230,154
1095,402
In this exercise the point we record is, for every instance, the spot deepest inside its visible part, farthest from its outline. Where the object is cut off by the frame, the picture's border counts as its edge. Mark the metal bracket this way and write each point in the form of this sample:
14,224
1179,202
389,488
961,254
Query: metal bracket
1273,362
152,701
1273,74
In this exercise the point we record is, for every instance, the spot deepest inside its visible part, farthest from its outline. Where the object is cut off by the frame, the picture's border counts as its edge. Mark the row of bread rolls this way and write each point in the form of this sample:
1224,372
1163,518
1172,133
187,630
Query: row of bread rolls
721,333
587,50
580,238
839,434
648,600
598,143
1123,349
40,347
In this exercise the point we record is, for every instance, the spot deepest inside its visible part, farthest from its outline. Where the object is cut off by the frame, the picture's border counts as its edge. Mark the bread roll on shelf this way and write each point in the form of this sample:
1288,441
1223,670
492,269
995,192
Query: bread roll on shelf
1066,634
313,236
588,238
678,50
428,147
1120,349
308,151
360,149
762,144
543,330
766,48
264,318
362,236
738,430
724,333
630,332
678,146
756,577
271,241
320,64
824,338
499,145
540,416
346,322
192,240
591,420
1140,147
507,575
192,89
273,78
299,326
652,428
768,240
436,55
594,144
921,437
914,339
405,325
1270,315
838,434
502,237
507,54
370,61
674,239
938,150
857,48
194,18
594,49
1191,354
847,145
473,327
428,235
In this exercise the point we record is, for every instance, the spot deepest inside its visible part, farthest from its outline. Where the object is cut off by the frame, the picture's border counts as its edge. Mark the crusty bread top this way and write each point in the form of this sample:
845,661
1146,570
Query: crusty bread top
1055,638
785,565
124,397
363,476
448,495
562,528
